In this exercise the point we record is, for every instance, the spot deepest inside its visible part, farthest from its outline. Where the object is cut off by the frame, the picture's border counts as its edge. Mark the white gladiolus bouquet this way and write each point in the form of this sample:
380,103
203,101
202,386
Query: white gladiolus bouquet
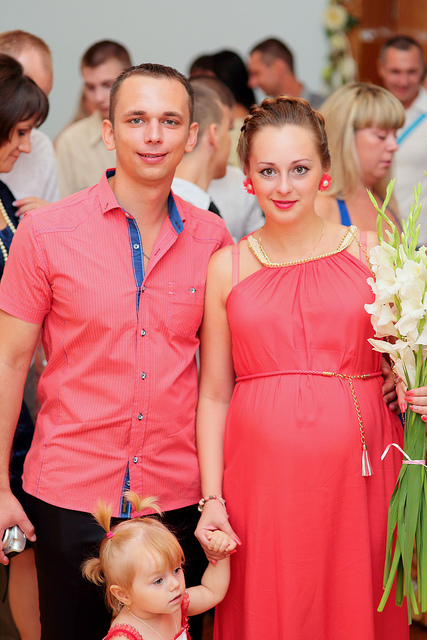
399,314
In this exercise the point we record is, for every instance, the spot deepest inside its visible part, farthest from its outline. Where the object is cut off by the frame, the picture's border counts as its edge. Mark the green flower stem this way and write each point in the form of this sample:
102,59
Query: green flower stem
407,522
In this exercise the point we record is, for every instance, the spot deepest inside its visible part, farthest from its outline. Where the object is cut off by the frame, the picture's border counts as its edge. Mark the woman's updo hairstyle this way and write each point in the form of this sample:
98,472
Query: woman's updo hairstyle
280,111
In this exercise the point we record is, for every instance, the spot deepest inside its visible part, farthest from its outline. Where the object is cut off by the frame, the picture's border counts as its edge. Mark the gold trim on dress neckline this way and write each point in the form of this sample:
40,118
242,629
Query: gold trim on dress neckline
259,252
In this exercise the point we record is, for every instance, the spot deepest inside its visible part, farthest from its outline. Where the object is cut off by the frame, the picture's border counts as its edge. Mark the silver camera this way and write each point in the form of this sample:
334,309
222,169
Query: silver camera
14,540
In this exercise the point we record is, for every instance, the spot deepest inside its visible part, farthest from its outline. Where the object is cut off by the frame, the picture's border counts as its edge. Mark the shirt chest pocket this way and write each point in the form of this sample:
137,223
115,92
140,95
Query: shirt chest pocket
185,308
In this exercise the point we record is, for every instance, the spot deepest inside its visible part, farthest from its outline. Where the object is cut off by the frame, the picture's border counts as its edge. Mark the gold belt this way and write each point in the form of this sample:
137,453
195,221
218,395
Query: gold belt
366,465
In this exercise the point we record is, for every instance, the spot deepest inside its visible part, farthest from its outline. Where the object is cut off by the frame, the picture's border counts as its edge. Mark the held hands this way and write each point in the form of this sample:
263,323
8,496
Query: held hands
220,542
12,513
28,204
214,519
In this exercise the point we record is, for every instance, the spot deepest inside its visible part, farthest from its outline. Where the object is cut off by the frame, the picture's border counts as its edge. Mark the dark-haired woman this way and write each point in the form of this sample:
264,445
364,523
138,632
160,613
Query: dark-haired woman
23,106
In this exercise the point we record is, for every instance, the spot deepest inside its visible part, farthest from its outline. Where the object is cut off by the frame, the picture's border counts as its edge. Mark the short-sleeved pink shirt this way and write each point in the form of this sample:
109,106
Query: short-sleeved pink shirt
120,385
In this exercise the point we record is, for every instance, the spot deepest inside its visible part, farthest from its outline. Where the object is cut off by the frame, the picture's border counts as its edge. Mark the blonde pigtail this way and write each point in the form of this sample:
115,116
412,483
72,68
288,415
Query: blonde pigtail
92,570
141,504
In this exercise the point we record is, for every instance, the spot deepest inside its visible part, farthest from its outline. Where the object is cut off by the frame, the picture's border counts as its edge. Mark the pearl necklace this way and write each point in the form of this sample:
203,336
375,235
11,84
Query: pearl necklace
11,227
149,625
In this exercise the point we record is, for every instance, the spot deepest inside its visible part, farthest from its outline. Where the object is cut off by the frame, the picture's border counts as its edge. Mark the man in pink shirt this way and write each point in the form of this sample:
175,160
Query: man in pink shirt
114,278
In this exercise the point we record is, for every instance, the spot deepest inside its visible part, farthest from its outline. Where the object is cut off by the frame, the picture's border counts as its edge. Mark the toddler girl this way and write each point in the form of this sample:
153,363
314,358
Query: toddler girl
140,564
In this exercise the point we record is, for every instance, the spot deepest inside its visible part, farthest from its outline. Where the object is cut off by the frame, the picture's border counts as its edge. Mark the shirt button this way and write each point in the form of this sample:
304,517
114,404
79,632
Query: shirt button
135,460
140,416
136,246
143,375
128,483
143,332
192,290
143,287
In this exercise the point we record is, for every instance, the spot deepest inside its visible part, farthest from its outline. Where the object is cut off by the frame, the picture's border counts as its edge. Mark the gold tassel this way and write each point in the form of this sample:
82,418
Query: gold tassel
366,465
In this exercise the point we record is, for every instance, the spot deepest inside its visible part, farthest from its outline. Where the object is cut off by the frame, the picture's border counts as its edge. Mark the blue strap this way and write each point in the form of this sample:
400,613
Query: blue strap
344,214
407,131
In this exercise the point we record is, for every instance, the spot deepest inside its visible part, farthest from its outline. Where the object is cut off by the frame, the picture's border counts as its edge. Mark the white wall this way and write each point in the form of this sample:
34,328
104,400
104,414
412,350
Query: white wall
171,32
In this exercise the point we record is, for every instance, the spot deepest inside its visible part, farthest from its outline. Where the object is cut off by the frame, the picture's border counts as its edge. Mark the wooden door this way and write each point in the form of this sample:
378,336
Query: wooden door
380,20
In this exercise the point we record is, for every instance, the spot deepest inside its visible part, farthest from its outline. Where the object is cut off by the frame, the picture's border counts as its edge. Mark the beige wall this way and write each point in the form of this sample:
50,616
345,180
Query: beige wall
170,32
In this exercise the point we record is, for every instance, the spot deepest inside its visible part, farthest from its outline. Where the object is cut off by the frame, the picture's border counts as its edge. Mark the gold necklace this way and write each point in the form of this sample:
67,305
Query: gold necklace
295,261
149,625
259,252
9,223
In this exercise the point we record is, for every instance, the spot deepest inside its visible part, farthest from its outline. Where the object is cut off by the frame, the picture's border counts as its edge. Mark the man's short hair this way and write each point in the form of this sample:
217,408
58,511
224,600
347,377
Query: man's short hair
105,50
207,108
223,93
401,42
13,43
151,70
271,49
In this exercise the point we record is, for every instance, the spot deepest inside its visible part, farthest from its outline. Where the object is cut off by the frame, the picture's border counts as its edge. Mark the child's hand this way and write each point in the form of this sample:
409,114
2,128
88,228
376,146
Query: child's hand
220,542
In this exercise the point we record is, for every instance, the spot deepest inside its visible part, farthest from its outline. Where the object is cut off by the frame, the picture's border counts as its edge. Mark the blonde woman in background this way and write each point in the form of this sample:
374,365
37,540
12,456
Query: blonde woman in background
361,122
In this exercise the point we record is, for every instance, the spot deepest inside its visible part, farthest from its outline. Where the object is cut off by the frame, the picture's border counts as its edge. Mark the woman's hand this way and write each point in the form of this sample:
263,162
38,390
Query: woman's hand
214,516
28,204
415,399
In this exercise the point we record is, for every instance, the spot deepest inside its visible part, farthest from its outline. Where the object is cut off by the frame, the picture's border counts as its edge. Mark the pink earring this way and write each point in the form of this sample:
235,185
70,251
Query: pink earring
325,182
247,183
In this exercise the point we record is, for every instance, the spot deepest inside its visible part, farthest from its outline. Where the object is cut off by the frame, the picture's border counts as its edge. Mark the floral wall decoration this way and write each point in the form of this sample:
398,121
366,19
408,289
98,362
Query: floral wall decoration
338,21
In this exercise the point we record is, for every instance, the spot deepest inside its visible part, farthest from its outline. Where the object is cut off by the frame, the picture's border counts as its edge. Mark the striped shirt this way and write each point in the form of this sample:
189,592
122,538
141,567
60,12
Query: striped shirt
119,392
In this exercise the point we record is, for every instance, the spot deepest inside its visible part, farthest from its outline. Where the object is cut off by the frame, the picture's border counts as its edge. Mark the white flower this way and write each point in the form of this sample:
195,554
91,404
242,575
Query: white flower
406,364
411,314
382,254
402,355
411,281
347,68
383,318
422,338
384,347
338,42
335,17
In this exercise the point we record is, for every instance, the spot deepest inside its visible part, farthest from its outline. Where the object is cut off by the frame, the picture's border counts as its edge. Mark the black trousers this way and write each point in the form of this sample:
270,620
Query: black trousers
72,607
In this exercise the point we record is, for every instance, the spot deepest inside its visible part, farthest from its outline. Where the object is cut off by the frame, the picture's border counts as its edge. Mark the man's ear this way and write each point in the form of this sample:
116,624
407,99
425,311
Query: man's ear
107,133
192,137
120,594
380,68
212,135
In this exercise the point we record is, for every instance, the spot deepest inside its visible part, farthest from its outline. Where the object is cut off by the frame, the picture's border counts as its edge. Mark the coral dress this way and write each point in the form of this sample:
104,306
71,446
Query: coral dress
313,528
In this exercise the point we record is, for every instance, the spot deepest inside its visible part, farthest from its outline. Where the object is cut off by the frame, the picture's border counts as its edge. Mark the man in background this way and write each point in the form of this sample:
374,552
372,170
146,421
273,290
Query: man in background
81,154
401,68
271,68
33,179
203,177
213,111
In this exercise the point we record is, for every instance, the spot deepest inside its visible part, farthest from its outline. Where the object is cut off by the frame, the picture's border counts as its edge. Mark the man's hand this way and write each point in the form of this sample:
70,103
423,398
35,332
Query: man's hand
28,204
12,513
389,387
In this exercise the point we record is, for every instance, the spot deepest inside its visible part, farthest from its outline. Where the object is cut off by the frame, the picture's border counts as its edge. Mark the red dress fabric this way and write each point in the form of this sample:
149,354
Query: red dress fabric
313,528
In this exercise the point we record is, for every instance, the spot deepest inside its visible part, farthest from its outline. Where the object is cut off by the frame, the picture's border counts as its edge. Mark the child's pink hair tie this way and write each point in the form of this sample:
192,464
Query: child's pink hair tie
138,514
110,534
